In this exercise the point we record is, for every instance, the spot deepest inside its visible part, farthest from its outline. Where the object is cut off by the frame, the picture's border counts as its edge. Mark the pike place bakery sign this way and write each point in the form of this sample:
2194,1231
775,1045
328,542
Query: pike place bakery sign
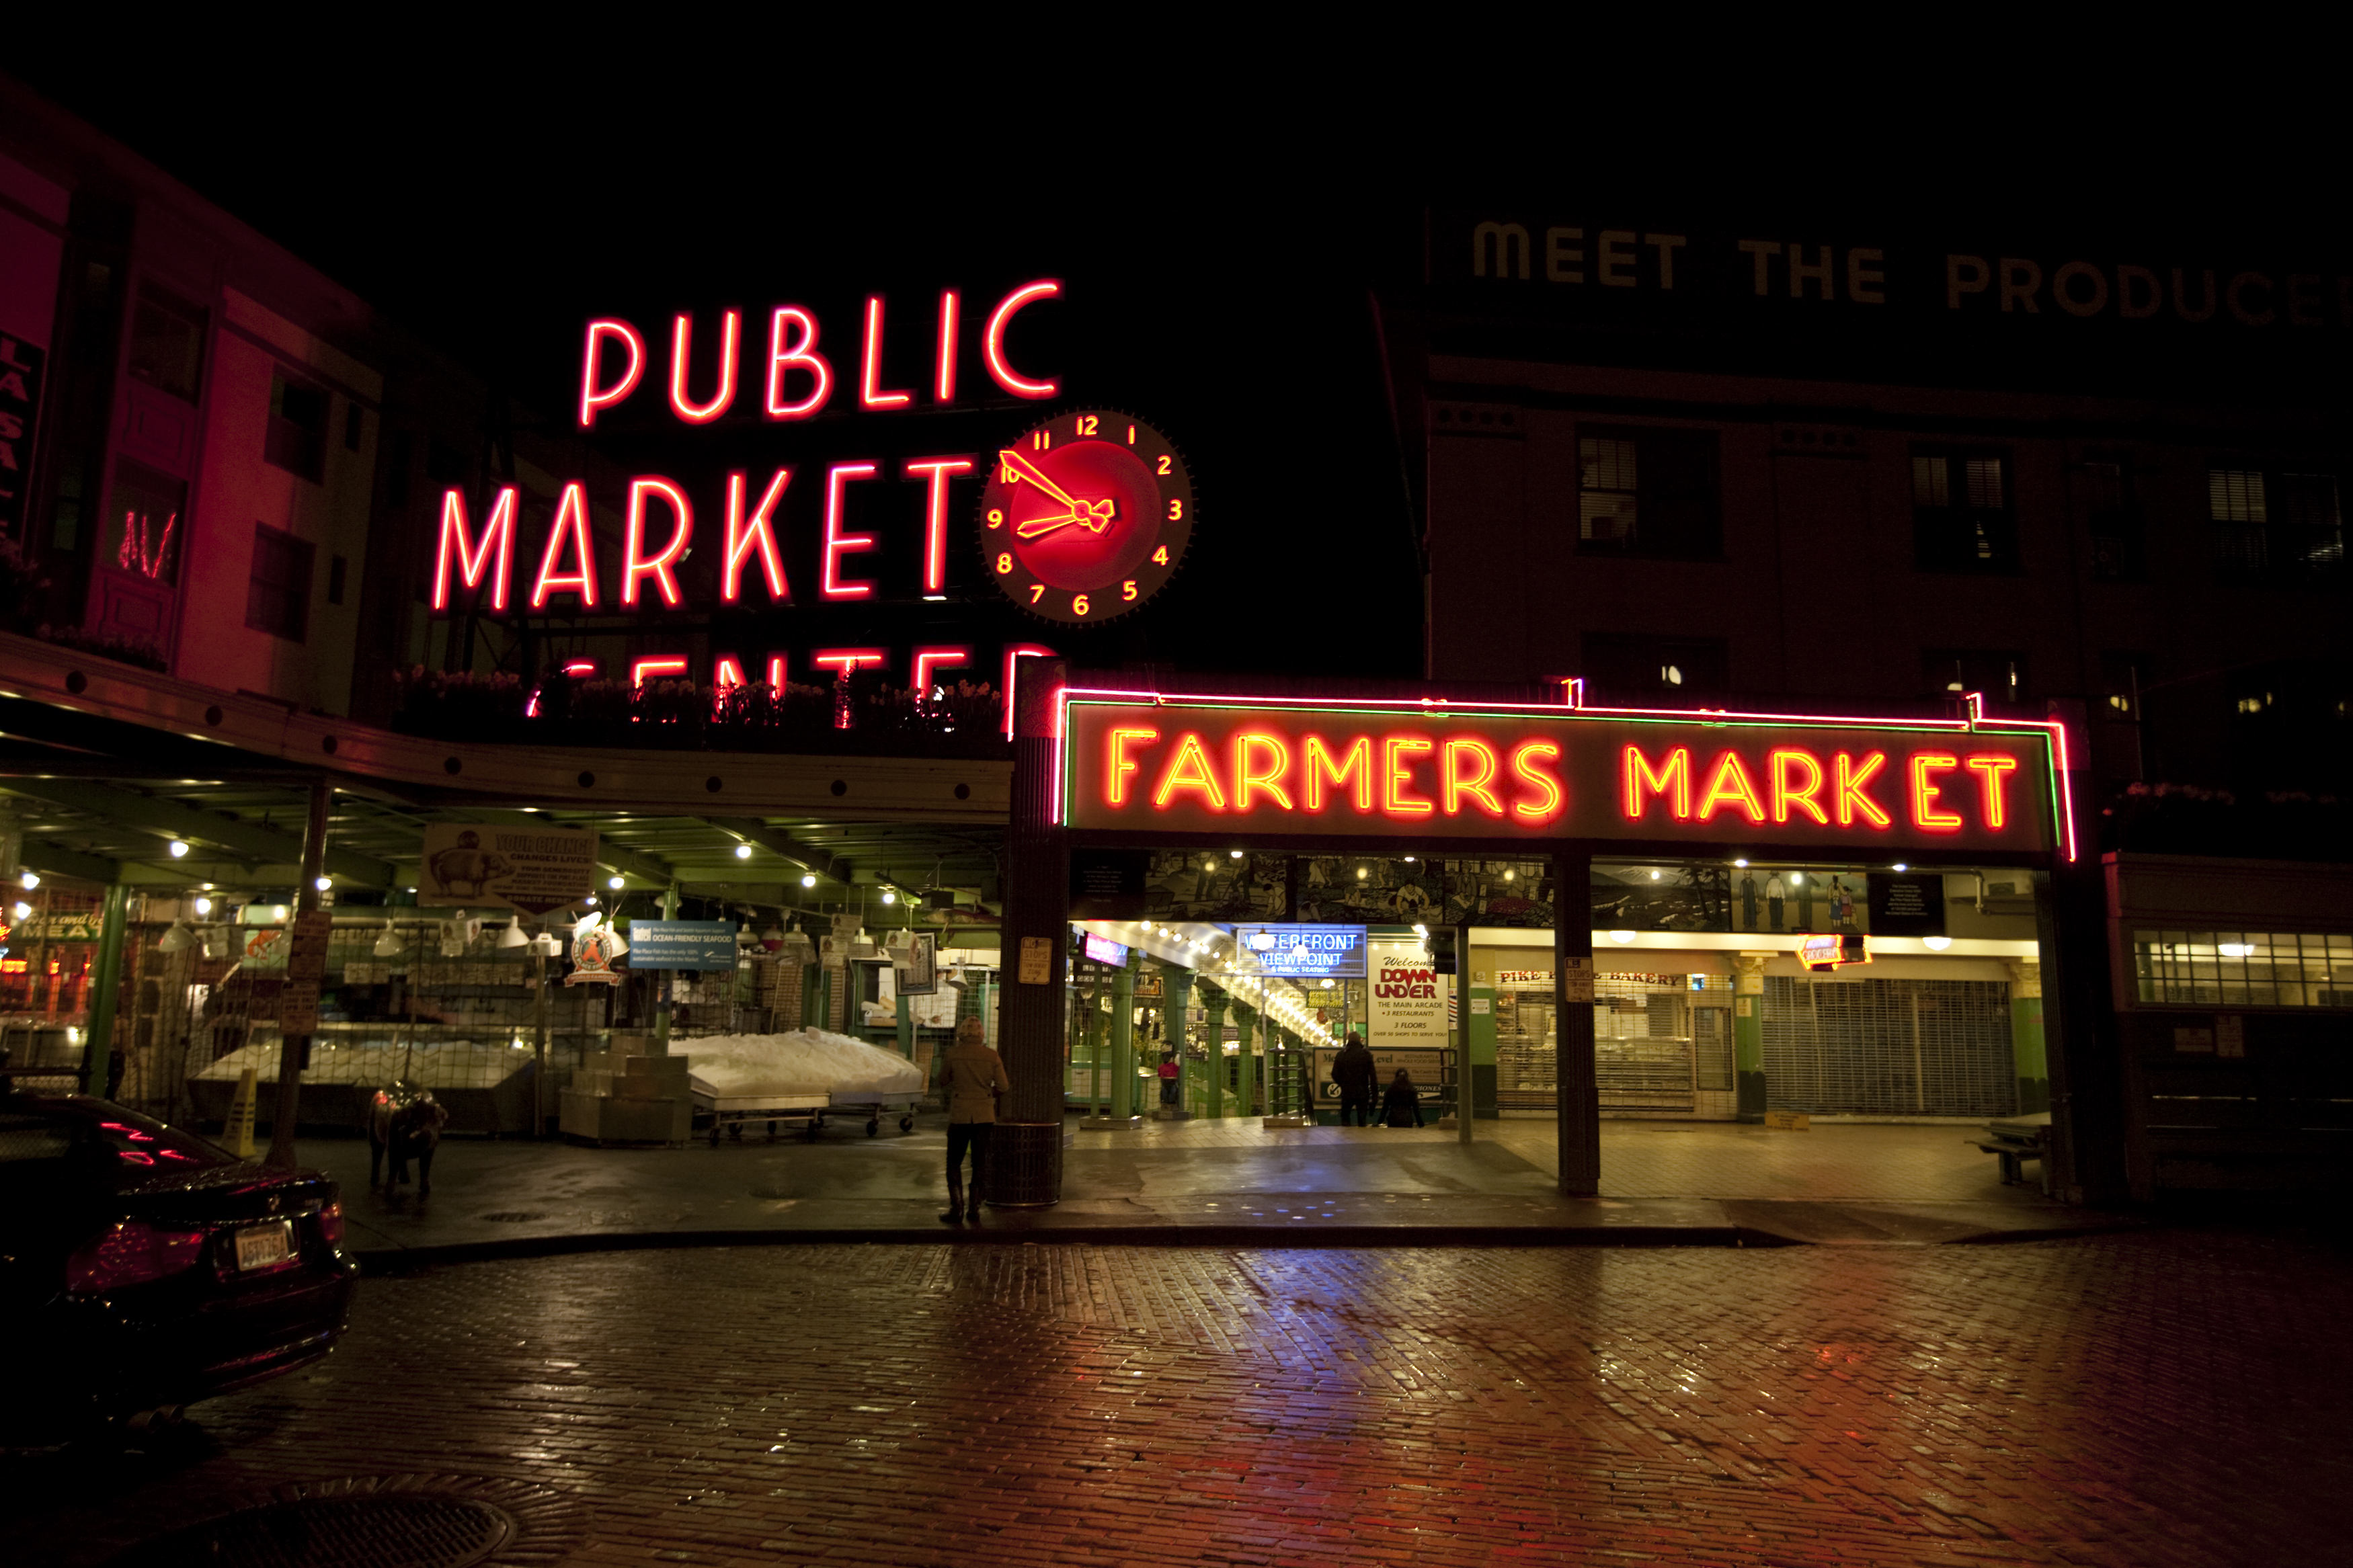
1080,517
1157,762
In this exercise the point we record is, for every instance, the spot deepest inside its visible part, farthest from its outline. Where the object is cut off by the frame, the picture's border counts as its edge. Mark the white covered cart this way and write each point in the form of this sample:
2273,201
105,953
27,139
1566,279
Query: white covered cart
800,1078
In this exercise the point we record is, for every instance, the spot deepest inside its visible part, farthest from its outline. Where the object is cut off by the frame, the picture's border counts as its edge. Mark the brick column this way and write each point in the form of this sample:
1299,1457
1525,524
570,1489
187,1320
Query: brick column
1025,1156
1578,1100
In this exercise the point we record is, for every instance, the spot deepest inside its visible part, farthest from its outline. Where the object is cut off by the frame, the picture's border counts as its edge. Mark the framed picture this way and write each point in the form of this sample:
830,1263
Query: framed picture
922,976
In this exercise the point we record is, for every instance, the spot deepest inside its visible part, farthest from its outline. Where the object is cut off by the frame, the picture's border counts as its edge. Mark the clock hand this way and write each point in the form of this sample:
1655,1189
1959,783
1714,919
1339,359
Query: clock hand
1026,470
1094,516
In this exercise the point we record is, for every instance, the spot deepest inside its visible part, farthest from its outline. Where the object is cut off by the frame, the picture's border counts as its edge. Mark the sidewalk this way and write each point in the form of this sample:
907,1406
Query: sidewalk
1206,1184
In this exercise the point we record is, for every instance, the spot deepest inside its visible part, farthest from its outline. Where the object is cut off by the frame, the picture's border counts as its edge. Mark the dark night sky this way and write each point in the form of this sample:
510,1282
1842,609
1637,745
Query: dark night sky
1217,262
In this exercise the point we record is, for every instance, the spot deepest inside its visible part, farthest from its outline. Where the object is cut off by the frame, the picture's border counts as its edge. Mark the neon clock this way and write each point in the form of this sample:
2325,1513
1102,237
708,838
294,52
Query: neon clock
1086,516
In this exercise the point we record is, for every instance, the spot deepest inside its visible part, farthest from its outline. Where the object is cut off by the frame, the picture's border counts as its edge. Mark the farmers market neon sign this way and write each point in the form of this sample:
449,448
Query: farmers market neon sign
1160,762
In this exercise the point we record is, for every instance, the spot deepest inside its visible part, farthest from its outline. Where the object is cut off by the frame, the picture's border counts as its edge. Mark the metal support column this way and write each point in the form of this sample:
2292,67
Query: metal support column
106,979
1577,1099
292,1048
663,981
1176,1002
1123,1042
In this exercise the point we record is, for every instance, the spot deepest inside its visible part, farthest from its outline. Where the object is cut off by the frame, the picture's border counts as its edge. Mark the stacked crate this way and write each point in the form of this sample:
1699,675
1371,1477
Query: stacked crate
629,1095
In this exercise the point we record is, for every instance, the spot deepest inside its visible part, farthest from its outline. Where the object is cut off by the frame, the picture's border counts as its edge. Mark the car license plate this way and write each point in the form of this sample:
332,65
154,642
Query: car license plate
264,1245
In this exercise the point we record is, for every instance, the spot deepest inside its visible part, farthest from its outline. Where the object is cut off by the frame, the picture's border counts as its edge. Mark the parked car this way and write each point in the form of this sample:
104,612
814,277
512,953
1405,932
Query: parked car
143,1267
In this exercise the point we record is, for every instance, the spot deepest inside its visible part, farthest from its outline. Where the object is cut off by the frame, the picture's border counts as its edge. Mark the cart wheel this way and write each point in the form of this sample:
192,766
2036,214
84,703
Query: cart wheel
771,1131
873,1126
811,1136
906,1124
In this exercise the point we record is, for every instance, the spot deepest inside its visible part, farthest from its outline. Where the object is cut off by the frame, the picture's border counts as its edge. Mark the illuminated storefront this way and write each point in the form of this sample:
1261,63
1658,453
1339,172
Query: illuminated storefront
1708,847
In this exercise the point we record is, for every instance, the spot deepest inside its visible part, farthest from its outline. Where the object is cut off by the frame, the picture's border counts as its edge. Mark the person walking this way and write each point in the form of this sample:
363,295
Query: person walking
1355,1075
1401,1107
972,1075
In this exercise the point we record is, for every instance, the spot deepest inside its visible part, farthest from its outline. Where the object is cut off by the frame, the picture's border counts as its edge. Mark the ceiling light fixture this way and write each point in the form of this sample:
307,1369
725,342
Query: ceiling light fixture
178,847
616,883
742,851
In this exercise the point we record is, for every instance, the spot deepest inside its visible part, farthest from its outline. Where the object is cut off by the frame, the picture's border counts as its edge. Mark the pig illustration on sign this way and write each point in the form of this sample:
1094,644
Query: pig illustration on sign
464,870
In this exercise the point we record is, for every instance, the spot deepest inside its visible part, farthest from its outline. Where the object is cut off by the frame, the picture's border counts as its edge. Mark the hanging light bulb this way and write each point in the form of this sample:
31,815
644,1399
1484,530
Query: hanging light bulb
742,851
808,878
614,883
31,879
322,883
178,847
203,906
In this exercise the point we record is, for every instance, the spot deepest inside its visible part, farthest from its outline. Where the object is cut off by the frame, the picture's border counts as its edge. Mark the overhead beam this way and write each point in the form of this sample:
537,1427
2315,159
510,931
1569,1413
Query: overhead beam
55,860
177,819
786,848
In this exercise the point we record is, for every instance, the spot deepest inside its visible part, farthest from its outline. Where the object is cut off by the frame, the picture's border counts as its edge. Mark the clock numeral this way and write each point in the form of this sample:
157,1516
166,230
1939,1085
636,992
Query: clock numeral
1036,592
1041,439
1164,462
1175,510
1086,424
1078,604
1160,556
1005,475
1127,589
1004,559
996,517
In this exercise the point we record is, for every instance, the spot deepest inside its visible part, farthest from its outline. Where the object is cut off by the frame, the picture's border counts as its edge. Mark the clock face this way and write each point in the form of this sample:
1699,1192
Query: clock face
1084,517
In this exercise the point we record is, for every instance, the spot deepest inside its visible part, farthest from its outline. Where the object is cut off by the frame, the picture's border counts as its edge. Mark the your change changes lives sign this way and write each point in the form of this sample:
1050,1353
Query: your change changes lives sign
482,866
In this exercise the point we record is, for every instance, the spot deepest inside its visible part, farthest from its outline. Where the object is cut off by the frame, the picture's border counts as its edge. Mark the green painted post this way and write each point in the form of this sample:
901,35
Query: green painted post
105,981
1748,1035
906,1028
1245,1054
1176,1000
1123,1042
1098,1093
1213,1005
2028,1048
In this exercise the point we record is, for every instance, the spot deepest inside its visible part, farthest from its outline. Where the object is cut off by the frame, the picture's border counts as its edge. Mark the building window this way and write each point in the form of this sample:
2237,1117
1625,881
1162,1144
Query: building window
296,441
2274,522
1648,492
2243,969
1638,669
278,600
1961,519
167,342
1999,673
145,524
2114,520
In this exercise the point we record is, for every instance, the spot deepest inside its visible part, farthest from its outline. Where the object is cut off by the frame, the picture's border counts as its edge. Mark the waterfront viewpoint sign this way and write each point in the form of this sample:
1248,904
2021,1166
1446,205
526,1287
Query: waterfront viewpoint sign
1154,764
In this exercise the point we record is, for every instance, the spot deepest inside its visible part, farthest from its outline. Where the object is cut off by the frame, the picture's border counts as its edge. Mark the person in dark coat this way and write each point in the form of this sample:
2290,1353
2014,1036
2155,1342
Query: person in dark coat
1401,1107
1354,1073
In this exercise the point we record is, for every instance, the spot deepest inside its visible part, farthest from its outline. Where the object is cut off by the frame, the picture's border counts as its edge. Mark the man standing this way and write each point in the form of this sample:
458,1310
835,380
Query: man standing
1353,1072
972,1075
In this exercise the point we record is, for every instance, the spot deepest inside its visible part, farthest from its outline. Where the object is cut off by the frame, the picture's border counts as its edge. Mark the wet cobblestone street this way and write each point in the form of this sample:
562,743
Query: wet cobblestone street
2171,1397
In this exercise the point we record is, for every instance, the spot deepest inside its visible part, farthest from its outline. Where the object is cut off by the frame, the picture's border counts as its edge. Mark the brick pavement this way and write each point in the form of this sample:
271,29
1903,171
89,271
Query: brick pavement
2161,1399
